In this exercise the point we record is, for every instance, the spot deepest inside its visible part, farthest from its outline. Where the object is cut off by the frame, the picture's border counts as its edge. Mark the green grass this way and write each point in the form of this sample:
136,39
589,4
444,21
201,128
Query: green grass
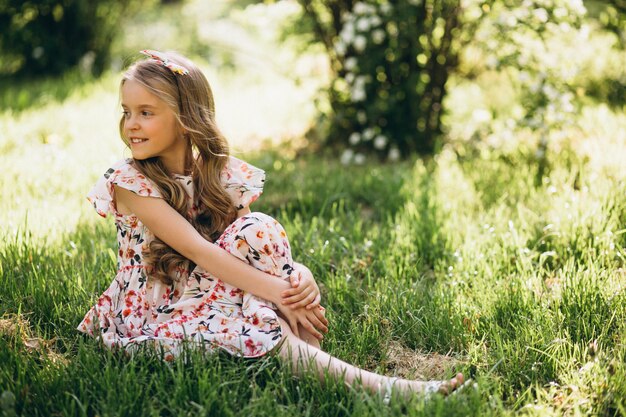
465,262
454,257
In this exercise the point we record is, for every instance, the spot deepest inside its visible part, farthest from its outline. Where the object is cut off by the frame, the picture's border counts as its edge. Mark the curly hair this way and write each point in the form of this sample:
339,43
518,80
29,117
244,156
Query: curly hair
191,99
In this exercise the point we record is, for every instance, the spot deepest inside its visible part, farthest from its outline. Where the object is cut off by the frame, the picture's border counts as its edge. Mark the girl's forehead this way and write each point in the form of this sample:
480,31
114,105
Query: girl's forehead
134,93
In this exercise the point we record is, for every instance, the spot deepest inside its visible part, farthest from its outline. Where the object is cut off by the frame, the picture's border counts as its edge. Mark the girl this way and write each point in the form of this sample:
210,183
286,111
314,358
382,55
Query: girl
194,263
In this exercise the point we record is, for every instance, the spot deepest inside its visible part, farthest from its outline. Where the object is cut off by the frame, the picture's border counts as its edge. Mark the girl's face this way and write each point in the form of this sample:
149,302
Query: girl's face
151,128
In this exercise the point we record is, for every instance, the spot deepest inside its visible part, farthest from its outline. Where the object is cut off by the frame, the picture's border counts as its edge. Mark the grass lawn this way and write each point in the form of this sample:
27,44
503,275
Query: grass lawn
464,262
461,263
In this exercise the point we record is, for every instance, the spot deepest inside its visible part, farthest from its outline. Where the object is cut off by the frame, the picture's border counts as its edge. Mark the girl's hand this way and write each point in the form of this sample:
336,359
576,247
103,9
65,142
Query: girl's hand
313,320
304,291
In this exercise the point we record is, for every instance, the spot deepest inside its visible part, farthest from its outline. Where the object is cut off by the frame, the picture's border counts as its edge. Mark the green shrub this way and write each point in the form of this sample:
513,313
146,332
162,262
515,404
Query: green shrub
47,37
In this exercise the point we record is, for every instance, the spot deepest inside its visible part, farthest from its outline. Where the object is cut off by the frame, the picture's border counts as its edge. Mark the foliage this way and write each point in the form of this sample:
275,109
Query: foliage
392,61
613,17
47,37
529,39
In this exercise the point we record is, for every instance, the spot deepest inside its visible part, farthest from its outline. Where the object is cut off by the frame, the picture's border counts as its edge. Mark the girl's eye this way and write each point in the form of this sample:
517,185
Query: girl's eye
126,114
146,113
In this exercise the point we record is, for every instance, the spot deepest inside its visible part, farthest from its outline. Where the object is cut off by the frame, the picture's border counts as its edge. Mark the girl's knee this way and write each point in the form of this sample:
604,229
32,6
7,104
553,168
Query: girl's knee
257,238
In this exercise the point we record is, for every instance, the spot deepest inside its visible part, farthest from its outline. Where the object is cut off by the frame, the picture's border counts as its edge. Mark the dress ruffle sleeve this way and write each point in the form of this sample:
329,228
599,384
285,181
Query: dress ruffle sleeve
243,182
125,175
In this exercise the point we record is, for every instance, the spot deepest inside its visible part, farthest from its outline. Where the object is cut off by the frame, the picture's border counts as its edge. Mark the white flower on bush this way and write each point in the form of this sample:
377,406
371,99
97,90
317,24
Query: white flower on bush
385,8
375,21
560,12
350,77
347,33
378,36
358,93
363,24
481,116
415,2
346,156
549,91
566,102
355,138
492,62
380,142
394,154
361,116
361,8
340,47
351,63
359,159
360,42
577,6
368,133
541,14
524,77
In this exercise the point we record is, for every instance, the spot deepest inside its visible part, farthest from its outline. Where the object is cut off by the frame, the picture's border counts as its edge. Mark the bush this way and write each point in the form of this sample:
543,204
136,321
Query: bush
393,60
47,37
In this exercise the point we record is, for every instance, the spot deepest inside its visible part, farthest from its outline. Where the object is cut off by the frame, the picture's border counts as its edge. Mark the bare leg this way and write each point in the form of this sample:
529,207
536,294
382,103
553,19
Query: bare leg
303,355
308,337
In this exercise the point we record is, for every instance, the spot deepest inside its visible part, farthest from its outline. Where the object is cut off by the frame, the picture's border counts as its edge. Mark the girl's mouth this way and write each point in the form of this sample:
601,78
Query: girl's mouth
137,140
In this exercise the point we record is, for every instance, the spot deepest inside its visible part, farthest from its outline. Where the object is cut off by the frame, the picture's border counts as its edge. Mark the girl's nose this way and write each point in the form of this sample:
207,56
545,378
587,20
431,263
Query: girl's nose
131,123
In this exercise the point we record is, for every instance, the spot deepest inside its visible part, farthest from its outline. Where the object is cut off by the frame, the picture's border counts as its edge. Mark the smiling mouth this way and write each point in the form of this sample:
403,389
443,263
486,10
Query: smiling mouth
137,140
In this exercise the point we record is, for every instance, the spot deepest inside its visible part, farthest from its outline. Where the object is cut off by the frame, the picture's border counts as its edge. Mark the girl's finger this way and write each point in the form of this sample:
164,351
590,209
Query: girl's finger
294,279
318,324
320,316
305,301
294,291
311,329
315,303
296,298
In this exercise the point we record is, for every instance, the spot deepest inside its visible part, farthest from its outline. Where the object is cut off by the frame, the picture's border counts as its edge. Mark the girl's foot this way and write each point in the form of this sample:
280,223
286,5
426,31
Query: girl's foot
426,388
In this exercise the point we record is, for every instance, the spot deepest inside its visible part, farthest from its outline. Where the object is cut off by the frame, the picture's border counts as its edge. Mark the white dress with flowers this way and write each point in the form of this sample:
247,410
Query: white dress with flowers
136,310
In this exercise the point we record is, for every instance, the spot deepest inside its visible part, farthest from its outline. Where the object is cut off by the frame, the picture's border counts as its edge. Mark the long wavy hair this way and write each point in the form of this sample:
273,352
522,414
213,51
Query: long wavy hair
191,99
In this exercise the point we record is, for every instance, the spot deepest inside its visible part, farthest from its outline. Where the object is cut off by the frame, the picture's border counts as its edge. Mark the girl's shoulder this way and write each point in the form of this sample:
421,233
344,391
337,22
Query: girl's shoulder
123,174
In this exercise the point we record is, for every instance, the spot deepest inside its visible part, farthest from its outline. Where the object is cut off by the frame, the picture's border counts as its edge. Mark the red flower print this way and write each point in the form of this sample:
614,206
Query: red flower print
126,312
259,234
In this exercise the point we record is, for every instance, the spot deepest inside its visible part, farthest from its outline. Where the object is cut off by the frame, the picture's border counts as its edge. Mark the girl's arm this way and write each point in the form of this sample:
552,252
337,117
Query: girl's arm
173,229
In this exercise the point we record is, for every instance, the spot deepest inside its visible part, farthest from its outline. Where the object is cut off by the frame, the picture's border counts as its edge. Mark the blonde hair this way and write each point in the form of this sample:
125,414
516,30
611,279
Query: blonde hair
191,99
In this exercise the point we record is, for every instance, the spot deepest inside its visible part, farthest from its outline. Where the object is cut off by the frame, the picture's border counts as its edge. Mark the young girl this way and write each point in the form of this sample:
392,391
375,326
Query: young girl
194,263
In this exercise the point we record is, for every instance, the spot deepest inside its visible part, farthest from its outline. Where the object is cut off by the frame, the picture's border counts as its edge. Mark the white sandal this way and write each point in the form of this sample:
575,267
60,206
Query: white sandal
430,388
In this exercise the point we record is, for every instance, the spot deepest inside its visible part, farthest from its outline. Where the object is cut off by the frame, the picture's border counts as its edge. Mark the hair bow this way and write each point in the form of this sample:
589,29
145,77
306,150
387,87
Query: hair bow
160,58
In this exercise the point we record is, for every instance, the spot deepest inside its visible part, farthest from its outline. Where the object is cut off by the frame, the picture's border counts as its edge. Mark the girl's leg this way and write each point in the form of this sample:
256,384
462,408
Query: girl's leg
261,241
303,355
308,337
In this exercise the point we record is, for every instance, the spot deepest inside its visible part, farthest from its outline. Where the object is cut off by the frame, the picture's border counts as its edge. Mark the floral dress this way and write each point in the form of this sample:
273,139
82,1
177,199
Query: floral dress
136,310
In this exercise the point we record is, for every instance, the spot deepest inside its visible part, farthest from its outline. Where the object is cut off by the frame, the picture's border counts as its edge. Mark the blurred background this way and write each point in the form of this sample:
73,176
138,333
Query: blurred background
366,82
